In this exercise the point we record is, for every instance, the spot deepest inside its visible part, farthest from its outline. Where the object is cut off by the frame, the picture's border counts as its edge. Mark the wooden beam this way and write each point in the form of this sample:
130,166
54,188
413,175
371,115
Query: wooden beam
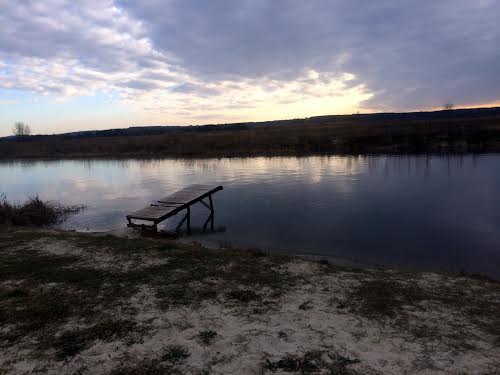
175,203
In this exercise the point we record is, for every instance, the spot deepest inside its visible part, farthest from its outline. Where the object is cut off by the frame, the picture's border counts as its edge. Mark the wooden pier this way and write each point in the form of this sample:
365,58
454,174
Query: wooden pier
174,203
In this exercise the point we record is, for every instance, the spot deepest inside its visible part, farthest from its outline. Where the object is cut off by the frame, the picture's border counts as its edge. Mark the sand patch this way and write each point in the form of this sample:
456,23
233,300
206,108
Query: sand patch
246,314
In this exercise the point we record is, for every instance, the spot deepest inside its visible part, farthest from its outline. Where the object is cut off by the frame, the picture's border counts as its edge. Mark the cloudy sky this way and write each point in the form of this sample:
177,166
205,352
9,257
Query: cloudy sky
71,65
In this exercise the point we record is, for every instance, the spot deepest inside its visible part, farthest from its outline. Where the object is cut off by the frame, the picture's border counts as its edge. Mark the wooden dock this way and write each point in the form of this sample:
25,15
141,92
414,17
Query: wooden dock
174,203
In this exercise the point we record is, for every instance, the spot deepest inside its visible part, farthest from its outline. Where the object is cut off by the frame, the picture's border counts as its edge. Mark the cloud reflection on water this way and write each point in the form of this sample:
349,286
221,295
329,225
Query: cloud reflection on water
386,209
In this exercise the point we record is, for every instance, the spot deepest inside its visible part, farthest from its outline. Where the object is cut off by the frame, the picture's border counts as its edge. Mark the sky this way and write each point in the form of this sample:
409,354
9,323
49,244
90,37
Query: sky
99,64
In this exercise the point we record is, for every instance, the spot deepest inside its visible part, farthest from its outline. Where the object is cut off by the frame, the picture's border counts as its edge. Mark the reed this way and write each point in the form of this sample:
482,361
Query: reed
34,212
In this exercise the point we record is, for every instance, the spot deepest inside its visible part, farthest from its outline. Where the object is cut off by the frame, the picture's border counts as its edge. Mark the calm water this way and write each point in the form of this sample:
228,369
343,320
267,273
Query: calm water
419,212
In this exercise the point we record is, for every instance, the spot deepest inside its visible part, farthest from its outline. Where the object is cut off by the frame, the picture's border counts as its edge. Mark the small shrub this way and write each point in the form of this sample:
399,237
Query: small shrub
244,296
313,361
175,354
70,343
310,362
34,212
207,337
145,368
307,305
339,364
282,335
17,293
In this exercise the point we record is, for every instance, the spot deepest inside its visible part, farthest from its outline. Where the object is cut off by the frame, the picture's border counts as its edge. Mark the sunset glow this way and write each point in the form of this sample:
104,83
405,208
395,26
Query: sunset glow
106,64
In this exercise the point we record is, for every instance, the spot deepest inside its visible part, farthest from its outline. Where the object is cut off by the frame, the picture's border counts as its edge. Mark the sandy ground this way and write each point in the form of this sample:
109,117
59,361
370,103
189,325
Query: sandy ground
315,324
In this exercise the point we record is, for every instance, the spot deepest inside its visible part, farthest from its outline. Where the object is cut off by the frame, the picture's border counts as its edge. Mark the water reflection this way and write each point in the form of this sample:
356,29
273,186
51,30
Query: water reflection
425,212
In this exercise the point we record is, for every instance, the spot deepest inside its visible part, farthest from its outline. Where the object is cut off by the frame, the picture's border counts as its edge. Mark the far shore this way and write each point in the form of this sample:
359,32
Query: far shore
100,304
441,132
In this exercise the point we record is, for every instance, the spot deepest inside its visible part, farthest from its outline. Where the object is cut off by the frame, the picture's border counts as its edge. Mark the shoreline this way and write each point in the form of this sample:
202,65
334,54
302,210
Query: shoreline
101,304
236,155
245,155
443,132
333,259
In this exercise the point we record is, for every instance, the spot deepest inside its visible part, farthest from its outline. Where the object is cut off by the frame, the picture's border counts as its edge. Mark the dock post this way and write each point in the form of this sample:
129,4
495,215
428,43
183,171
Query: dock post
174,204
189,220
186,217
212,213
211,216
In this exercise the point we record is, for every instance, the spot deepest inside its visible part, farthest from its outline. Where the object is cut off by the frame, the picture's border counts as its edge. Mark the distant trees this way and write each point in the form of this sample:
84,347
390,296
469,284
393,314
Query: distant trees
21,129
448,106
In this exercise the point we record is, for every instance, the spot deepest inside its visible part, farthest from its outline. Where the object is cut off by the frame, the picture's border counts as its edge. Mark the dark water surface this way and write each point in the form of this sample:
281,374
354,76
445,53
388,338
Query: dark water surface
418,212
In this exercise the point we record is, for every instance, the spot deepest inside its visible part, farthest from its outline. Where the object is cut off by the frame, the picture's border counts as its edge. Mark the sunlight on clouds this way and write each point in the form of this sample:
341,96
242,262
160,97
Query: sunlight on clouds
311,94
152,83
166,67
167,94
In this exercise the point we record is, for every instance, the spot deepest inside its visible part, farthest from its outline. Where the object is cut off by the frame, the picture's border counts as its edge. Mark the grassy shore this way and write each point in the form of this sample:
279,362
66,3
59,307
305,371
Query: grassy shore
96,304
433,132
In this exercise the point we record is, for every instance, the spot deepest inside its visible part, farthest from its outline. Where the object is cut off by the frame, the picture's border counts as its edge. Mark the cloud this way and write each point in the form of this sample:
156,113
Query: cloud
252,99
96,33
186,60
7,102
410,53
188,88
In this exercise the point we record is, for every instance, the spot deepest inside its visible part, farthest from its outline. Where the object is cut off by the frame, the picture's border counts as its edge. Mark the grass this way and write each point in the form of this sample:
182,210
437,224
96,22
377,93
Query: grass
175,354
307,305
243,296
63,293
148,367
385,297
72,342
313,361
34,212
207,337
442,132
393,297
51,290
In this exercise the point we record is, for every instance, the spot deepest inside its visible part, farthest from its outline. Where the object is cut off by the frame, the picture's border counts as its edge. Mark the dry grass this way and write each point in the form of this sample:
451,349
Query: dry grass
85,304
34,212
317,135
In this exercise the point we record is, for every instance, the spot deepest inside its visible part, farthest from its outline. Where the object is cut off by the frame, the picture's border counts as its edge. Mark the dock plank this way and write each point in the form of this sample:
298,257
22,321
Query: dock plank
153,213
189,194
174,203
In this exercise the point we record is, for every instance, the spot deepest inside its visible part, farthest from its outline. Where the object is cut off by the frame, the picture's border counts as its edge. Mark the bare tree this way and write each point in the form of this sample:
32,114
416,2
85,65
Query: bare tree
21,129
448,107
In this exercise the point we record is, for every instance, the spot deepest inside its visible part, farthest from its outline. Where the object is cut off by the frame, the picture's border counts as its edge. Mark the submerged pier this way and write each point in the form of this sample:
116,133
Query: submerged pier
175,203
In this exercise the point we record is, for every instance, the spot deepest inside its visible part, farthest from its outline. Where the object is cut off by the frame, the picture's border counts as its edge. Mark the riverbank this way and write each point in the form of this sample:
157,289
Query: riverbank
441,132
97,304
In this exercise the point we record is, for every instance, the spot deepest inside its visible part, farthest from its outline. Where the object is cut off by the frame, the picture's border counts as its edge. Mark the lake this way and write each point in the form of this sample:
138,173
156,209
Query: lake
409,211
